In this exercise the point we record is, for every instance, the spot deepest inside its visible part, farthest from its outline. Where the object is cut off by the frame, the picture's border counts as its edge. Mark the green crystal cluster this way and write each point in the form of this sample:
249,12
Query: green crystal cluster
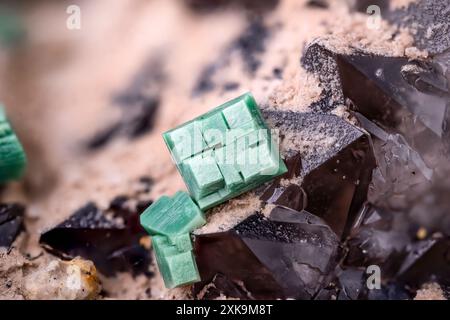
169,222
225,152
12,155
220,155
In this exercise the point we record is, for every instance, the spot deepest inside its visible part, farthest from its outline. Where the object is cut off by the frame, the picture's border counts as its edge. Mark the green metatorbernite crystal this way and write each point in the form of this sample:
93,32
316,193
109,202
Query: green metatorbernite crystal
169,220
176,265
12,155
225,152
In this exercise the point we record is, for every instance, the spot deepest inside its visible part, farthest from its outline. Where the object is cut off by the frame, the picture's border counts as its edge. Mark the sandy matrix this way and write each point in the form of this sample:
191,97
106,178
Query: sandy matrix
58,88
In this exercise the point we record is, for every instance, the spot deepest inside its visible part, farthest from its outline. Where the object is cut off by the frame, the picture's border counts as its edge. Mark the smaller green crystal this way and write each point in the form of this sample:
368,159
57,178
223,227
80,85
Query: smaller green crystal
169,221
176,262
172,216
12,155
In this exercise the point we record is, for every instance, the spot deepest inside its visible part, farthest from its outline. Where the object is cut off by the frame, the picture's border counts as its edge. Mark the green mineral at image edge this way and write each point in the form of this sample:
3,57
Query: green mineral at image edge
12,155
12,29
225,152
169,221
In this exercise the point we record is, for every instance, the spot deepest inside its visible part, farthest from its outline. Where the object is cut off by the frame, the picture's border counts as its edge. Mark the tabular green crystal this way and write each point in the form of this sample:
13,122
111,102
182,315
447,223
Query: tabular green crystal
12,155
169,221
225,152
172,216
176,264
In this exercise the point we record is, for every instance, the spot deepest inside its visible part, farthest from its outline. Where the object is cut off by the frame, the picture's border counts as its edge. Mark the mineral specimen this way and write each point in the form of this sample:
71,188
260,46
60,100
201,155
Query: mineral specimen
427,260
379,237
292,196
169,221
337,164
12,155
401,172
410,97
176,262
76,279
288,255
225,152
171,217
429,207
110,239
351,284
11,223
403,103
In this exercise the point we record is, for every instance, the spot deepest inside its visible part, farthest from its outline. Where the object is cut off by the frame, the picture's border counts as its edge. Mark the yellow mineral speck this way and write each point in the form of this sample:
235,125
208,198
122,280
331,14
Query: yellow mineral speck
421,233
146,242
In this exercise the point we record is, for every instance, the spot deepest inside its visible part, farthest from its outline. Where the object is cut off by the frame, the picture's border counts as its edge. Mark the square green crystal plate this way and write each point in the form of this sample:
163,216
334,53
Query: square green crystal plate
169,220
172,216
225,152
176,262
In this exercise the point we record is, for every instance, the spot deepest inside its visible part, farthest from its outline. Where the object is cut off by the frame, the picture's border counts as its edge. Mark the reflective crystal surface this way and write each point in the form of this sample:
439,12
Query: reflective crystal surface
406,97
11,223
379,237
111,240
427,260
382,191
287,255
335,172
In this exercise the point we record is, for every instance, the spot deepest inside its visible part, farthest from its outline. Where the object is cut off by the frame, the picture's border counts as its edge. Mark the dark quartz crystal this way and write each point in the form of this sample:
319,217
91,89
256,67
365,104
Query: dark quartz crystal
11,223
404,104
288,255
379,237
337,188
291,196
401,172
351,283
409,97
110,240
430,208
294,166
427,260
391,291
336,175
220,284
